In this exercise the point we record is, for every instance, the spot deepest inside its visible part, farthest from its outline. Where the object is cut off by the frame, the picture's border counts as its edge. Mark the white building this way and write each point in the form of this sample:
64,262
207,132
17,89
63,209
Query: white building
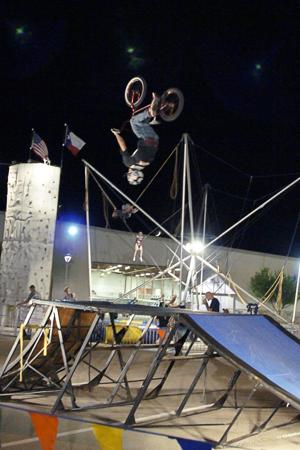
114,273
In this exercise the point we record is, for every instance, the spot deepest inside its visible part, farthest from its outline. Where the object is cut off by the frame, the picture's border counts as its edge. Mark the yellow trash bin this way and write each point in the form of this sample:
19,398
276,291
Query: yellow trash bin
131,336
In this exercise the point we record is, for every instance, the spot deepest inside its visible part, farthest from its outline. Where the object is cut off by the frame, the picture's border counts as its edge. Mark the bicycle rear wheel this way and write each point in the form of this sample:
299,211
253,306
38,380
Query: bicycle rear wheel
135,92
171,104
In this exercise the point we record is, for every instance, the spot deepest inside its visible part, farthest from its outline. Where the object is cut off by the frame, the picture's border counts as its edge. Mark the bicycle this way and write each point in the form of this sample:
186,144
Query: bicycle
171,101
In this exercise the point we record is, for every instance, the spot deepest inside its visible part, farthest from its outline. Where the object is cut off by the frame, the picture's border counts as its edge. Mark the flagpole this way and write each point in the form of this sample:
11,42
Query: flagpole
63,145
87,215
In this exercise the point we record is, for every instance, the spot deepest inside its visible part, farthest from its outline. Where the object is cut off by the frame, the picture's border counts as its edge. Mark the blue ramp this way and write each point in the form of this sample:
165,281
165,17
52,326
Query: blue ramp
257,344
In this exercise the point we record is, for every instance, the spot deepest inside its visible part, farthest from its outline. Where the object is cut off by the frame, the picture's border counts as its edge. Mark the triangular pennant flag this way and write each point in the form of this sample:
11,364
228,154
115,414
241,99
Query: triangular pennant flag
108,438
188,444
161,333
46,429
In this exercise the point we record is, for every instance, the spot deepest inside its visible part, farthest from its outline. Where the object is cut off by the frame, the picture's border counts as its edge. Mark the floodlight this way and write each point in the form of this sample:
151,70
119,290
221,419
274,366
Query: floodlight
194,247
72,230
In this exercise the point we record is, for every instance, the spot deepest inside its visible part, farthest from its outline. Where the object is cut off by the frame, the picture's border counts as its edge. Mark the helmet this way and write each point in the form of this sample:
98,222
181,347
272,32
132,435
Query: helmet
135,176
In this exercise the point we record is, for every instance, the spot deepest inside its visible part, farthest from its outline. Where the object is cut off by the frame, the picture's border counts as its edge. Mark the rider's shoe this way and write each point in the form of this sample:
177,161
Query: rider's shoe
154,121
115,131
154,107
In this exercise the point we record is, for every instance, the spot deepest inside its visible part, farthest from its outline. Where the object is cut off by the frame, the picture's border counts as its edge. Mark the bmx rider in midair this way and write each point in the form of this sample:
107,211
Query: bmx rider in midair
147,144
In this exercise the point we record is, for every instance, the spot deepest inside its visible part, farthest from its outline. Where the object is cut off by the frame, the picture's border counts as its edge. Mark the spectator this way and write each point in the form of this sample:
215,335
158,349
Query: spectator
211,302
68,294
173,301
33,294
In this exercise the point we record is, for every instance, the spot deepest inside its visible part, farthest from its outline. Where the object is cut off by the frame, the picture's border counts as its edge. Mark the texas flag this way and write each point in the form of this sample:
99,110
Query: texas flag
74,143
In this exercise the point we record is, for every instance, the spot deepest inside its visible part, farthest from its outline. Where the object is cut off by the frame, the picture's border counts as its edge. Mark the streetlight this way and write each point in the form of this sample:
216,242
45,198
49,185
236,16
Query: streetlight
73,230
67,259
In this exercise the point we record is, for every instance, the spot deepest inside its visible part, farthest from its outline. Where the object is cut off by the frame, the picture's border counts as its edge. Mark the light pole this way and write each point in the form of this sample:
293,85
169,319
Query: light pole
67,259
203,241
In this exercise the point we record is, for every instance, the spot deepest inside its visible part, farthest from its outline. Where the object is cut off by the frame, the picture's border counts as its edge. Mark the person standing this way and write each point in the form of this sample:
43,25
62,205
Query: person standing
162,301
24,306
68,294
173,301
211,302
33,294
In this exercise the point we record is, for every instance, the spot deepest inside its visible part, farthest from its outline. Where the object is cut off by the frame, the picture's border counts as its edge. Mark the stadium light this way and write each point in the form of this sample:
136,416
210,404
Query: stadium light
194,247
72,230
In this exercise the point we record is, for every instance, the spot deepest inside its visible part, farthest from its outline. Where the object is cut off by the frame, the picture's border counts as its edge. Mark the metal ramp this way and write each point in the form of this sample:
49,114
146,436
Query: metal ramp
254,345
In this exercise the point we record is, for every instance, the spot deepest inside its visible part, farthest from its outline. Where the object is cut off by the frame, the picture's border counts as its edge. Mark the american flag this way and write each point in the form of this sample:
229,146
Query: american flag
39,147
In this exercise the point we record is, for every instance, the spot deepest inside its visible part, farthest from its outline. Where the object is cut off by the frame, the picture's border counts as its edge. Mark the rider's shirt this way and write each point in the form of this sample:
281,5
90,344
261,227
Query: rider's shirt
141,157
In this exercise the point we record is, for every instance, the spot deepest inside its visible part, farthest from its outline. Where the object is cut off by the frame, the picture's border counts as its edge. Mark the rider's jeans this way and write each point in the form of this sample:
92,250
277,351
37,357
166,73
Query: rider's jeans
141,127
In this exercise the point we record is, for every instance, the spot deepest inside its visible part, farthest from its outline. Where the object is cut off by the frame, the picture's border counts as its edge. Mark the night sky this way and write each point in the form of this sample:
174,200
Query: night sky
237,63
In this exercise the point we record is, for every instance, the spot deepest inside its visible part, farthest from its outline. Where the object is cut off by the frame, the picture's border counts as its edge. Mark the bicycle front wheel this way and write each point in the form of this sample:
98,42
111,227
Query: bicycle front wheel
135,92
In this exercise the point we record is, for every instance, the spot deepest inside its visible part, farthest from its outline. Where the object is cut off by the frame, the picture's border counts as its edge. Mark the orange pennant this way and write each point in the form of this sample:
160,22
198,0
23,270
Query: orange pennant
46,429
161,333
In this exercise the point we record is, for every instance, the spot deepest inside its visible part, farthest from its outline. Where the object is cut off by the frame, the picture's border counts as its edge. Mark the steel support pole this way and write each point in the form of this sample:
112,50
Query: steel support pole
185,152
75,365
192,386
296,296
203,240
149,377
190,195
253,212
236,416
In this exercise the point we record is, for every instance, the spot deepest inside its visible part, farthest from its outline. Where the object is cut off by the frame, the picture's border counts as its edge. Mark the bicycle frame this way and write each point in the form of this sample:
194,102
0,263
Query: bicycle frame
135,111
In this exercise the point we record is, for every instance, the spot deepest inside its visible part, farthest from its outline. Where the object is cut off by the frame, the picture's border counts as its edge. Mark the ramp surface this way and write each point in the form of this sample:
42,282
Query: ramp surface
257,344
74,325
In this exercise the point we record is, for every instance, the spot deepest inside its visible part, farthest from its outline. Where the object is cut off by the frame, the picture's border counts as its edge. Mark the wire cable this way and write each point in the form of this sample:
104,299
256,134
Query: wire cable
155,175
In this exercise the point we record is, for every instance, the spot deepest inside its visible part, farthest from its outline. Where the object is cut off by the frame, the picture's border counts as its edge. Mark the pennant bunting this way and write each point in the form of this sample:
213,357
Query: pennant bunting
108,438
46,429
188,444
161,333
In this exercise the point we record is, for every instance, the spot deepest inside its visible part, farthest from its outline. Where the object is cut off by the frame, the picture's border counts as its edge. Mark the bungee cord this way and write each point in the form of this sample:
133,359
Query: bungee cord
174,184
158,171
242,172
